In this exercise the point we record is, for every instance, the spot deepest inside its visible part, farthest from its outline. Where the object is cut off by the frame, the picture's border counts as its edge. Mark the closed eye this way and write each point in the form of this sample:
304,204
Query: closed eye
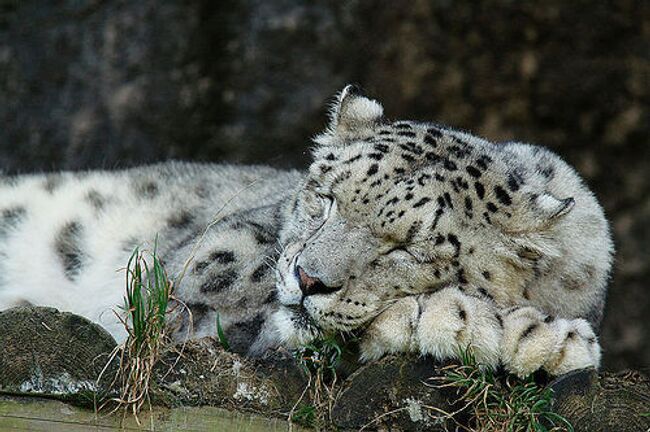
402,252
327,203
409,254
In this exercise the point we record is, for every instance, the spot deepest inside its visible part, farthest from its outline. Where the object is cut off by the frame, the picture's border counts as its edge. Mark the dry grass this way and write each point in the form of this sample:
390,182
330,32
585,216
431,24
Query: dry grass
148,294
319,360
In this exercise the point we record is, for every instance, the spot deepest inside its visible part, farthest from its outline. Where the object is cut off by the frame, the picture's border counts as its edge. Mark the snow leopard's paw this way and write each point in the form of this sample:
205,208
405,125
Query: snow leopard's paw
391,331
533,340
451,321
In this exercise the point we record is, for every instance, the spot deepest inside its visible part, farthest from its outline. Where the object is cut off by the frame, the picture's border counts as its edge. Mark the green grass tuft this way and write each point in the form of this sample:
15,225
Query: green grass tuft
144,316
305,415
321,356
148,291
318,360
499,403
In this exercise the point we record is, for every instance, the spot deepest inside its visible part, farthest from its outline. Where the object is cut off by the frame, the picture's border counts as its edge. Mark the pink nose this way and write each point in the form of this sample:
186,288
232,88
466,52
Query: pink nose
311,285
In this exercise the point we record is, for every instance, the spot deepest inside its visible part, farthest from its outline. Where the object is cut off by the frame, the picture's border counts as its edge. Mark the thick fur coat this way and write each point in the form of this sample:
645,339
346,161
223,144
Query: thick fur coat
417,236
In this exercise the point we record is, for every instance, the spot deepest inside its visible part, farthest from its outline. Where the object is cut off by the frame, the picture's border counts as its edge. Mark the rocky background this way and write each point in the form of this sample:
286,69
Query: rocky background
94,83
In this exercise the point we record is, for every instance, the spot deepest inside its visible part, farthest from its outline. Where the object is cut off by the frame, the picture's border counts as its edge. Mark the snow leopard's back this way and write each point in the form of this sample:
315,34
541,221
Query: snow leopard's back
64,236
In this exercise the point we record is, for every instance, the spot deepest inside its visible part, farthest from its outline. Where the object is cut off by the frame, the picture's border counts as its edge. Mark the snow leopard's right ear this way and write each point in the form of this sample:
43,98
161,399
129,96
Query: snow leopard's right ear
352,116
537,212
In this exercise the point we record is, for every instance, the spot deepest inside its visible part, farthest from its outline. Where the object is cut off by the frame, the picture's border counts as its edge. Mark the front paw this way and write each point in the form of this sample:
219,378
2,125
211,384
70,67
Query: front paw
451,320
391,331
579,347
533,340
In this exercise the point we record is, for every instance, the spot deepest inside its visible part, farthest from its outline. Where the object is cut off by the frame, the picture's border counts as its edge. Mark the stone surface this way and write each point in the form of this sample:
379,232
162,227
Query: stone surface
391,394
95,83
606,402
47,353
202,373
44,351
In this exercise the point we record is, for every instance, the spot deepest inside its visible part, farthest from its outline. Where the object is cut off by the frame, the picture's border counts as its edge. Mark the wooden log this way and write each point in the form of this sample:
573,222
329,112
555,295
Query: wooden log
34,414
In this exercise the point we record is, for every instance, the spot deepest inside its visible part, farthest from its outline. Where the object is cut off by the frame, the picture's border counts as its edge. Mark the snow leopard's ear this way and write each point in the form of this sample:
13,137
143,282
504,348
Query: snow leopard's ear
352,116
537,212
529,222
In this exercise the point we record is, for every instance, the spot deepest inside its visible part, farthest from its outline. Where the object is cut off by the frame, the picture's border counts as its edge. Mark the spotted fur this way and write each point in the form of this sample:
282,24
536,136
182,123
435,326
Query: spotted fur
419,236
432,234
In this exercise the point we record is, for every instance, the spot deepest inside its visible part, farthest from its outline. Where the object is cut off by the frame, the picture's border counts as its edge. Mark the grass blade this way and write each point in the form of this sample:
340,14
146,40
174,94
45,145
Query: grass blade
222,335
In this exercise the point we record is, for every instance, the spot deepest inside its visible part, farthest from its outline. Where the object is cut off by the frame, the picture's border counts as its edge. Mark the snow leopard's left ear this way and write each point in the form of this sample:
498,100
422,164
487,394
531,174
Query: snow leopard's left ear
352,116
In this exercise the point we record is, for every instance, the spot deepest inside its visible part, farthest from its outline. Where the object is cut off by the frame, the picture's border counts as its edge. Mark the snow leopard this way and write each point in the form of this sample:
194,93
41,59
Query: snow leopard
416,236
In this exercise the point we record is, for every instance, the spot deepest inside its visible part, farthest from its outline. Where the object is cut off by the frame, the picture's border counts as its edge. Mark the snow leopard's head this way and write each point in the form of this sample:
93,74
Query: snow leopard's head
393,209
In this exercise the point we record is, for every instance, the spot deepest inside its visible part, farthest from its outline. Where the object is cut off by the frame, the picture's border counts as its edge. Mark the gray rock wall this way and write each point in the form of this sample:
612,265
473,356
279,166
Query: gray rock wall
93,83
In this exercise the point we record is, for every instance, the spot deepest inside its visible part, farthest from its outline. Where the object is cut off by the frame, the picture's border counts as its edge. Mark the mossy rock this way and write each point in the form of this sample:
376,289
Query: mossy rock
396,393
201,372
47,352
390,394
603,402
